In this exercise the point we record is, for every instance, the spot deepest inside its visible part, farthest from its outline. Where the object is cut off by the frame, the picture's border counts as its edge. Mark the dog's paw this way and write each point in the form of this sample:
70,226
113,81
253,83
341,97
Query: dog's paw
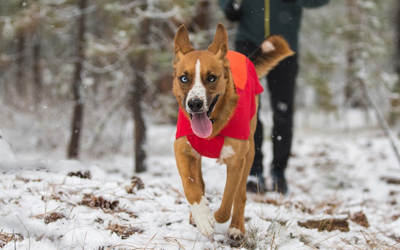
203,217
235,233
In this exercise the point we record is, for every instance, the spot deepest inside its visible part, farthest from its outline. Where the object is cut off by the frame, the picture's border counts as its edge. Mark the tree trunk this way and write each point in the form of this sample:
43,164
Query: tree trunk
139,64
201,20
349,88
21,44
353,94
36,68
139,133
397,44
78,91
20,84
395,99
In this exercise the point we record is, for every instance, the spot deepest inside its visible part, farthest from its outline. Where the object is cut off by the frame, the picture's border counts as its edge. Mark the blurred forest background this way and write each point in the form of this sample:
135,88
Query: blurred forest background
86,77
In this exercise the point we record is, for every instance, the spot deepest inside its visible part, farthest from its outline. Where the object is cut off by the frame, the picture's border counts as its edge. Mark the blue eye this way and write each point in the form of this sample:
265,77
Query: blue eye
183,79
211,78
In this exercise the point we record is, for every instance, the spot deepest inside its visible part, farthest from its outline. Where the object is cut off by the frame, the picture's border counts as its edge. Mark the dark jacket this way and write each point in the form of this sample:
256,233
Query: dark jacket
261,18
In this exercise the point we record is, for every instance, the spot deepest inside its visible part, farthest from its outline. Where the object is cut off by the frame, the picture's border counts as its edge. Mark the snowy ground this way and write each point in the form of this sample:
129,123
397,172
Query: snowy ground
351,179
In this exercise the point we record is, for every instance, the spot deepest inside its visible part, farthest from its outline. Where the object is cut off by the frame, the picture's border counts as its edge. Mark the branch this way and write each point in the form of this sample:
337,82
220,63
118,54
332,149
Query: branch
100,127
101,70
384,125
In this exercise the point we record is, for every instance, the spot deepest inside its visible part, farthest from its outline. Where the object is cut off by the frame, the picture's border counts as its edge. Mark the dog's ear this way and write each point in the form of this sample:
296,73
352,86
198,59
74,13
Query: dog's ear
219,46
182,42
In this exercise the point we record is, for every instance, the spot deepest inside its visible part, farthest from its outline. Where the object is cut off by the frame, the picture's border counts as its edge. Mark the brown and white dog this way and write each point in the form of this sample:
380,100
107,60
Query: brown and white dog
205,90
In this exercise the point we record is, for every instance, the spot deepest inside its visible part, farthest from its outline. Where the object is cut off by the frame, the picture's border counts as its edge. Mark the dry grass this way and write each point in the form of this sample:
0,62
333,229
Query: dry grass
326,224
124,231
79,174
135,185
6,238
361,219
98,202
52,217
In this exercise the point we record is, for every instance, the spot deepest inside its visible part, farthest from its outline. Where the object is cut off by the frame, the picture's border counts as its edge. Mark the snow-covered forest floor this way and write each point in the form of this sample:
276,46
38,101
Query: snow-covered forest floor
344,194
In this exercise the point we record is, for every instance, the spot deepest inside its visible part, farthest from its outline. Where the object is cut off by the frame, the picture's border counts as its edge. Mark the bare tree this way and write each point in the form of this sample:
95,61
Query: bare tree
20,85
36,57
395,98
139,64
352,91
397,44
78,91
201,20
21,44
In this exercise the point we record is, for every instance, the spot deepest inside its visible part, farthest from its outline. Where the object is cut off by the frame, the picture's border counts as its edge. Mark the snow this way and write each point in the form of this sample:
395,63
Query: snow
6,153
334,173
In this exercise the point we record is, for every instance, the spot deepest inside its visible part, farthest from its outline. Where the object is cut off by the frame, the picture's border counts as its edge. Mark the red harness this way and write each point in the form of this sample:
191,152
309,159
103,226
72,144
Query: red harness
247,87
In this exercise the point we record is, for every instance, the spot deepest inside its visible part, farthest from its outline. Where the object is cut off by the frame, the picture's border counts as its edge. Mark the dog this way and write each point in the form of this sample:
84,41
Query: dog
217,91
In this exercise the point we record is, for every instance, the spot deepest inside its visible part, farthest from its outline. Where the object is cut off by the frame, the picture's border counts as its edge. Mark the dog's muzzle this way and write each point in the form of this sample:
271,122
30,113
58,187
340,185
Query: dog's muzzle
196,106
200,119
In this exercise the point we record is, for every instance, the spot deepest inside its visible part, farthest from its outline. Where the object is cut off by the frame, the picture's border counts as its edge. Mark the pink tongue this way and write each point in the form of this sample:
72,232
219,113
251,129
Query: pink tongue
201,125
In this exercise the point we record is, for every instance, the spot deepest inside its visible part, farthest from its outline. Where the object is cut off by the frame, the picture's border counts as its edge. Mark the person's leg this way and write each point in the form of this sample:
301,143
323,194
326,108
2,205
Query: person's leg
256,181
257,168
281,84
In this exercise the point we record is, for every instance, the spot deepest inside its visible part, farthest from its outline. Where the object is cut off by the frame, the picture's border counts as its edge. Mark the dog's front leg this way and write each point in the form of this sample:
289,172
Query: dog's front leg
233,155
189,167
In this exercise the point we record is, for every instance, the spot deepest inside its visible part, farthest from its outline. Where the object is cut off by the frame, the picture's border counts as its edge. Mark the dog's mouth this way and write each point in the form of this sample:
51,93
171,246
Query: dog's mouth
200,121
212,106
209,110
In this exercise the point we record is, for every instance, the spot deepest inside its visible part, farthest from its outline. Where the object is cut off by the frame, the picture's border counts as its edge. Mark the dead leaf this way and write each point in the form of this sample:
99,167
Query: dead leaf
327,224
361,219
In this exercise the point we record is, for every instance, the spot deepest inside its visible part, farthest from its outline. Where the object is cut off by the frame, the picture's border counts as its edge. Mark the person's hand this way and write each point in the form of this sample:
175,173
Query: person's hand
232,11
236,4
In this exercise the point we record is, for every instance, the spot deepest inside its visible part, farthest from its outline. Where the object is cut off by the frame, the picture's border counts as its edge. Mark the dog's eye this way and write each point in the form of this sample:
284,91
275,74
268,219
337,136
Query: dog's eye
183,79
211,78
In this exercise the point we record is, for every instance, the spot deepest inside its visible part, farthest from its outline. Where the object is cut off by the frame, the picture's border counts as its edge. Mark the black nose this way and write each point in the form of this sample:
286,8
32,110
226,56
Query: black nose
195,105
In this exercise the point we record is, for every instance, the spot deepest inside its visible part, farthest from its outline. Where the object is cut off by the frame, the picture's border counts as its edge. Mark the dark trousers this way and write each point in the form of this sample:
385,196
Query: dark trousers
281,85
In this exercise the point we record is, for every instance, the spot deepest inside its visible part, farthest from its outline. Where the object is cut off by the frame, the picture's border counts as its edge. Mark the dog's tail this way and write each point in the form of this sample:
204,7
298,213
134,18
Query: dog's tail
274,49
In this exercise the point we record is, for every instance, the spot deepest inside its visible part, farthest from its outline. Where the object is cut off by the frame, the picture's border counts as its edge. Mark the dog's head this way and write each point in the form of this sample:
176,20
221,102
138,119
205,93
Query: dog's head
200,78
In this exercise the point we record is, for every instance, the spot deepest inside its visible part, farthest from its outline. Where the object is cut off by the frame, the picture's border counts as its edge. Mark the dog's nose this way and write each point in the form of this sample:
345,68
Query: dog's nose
195,105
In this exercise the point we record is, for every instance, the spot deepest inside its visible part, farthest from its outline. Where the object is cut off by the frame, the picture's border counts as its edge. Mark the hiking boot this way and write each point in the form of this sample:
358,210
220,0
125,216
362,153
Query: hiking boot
279,182
256,184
